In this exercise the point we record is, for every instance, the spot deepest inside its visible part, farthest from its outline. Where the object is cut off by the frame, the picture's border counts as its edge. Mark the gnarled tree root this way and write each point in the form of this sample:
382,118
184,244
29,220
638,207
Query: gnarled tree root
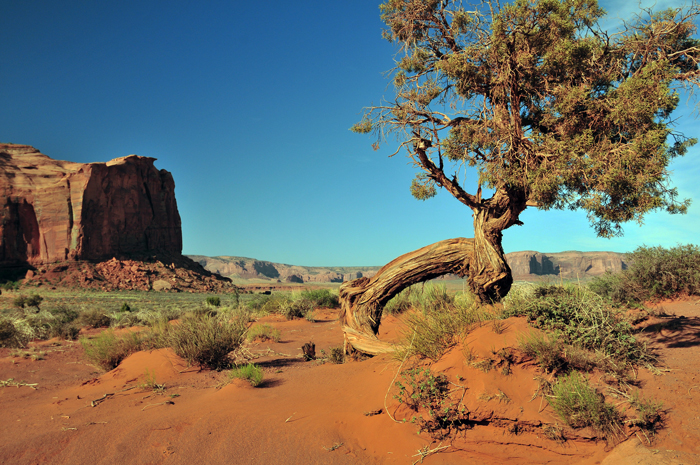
362,300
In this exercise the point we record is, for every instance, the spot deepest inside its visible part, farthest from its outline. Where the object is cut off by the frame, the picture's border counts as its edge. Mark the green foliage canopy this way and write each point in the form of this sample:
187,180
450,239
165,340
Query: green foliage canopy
546,106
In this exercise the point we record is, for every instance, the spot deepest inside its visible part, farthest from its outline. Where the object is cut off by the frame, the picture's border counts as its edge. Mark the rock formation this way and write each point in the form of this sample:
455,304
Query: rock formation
526,265
57,210
531,264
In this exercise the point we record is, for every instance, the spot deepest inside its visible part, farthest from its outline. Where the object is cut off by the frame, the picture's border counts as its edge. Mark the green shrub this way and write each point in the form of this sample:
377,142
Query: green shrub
205,341
11,336
11,286
65,331
125,308
107,350
251,372
421,390
95,318
546,350
321,298
580,317
336,355
64,314
653,273
442,319
579,405
213,301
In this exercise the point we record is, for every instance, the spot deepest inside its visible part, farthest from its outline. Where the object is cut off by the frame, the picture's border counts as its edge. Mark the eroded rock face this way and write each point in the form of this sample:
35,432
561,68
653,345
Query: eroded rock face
56,210
565,264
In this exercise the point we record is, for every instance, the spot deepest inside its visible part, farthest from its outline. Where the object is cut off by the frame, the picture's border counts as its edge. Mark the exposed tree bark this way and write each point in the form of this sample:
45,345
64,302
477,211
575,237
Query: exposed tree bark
481,260
362,300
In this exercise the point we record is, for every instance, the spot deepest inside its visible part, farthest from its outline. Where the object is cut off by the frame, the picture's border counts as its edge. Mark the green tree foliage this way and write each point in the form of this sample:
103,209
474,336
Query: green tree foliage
548,109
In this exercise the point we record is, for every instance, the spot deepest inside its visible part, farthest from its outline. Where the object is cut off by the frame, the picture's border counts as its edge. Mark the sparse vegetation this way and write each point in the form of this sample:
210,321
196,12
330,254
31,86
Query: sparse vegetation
107,350
439,320
95,318
263,332
423,391
205,341
579,405
653,273
251,372
580,318
213,301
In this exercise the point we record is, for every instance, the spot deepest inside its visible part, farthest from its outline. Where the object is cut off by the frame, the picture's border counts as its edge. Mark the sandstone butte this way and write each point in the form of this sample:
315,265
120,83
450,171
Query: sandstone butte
56,210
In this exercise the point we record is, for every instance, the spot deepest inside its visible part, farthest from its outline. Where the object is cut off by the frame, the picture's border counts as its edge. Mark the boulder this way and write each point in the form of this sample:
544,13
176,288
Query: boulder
56,210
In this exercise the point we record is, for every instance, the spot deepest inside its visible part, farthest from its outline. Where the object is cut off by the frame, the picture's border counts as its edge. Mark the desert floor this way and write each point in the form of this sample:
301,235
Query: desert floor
62,410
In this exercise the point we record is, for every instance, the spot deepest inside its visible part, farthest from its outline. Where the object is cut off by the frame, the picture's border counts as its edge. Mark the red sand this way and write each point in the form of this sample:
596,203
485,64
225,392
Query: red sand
308,412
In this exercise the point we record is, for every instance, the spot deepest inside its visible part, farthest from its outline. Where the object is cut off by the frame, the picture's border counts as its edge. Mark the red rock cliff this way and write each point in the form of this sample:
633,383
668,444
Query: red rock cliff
56,210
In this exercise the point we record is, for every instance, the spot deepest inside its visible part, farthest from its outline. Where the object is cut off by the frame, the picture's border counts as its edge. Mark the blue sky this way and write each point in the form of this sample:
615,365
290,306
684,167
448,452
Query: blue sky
248,104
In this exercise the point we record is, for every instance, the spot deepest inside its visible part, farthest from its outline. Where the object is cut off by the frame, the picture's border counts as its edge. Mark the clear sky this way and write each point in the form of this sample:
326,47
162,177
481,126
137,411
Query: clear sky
248,104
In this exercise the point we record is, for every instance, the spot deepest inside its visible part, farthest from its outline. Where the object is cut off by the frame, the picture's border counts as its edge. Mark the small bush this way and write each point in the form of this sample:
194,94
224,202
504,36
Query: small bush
64,314
65,331
442,319
251,372
95,318
653,273
125,308
206,341
11,286
546,350
321,298
107,350
580,317
263,332
213,301
337,355
579,405
11,336
421,390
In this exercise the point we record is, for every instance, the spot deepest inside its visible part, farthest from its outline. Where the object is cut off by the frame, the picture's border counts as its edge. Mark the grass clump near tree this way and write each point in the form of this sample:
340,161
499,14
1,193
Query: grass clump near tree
263,332
251,372
653,273
438,319
580,406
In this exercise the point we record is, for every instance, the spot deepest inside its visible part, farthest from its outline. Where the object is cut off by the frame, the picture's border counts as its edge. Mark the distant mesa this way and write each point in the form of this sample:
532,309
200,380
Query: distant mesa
527,266
57,212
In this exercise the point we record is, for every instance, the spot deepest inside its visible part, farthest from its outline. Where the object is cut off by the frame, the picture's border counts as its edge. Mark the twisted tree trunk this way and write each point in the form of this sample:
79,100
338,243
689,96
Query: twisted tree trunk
480,259
362,300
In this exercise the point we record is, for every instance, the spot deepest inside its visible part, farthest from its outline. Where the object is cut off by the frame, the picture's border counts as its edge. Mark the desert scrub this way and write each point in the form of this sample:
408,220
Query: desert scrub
263,332
12,334
653,273
438,323
107,350
213,301
251,372
421,390
205,341
95,318
580,318
579,405
320,298
33,300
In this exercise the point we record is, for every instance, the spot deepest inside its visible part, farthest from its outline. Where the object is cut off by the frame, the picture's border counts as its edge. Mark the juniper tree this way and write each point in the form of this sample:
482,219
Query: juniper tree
545,107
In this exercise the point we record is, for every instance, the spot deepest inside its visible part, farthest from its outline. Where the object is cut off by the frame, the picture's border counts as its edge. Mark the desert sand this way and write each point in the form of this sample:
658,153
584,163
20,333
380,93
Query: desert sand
63,410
